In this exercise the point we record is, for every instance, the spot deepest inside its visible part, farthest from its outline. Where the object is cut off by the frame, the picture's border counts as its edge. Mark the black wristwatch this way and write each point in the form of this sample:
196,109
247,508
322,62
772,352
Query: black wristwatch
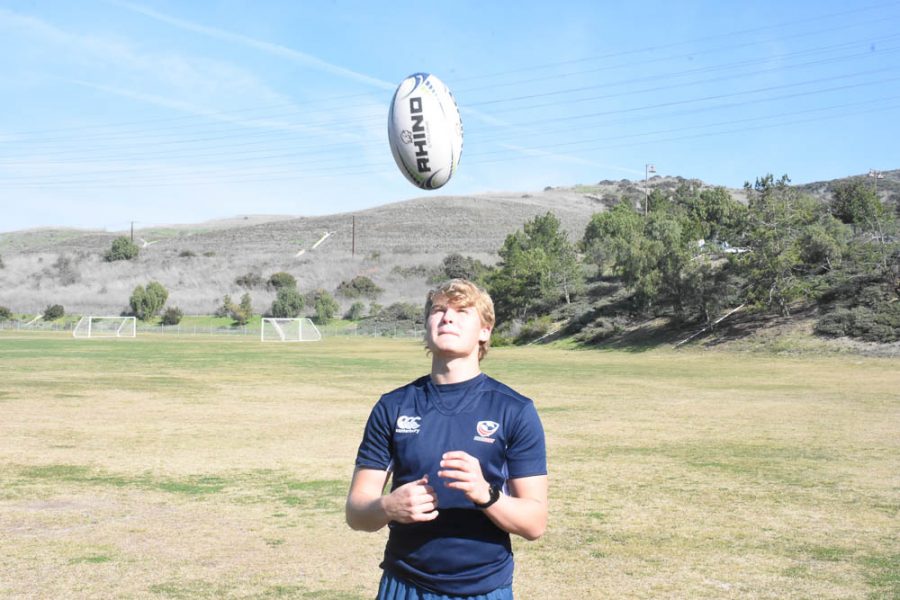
494,496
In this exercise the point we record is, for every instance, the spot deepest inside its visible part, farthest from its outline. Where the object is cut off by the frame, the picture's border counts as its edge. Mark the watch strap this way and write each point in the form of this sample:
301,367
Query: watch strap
494,496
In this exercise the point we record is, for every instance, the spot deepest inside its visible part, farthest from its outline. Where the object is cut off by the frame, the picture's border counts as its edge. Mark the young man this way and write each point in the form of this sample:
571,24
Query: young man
468,461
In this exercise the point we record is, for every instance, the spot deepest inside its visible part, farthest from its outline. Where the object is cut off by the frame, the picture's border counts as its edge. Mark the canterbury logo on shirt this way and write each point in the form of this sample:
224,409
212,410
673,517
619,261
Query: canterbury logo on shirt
406,424
485,429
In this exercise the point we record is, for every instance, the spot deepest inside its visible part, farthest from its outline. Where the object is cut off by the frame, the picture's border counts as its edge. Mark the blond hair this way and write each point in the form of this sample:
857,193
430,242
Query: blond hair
462,293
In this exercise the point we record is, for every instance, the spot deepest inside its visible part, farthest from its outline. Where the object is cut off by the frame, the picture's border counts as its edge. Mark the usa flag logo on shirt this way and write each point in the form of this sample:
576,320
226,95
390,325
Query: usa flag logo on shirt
485,430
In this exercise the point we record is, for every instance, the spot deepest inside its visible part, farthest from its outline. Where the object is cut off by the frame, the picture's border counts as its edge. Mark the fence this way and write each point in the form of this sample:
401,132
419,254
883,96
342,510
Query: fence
391,330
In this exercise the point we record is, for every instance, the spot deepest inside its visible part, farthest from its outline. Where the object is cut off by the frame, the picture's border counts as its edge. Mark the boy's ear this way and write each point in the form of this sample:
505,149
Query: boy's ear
485,334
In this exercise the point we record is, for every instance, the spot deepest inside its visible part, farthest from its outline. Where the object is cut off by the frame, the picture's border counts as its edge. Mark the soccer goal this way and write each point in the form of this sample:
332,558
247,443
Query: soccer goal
97,327
288,330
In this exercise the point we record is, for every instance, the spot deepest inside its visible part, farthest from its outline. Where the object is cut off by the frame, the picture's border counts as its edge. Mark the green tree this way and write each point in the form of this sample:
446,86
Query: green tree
122,249
854,202
537,265
147,302
5,314
610,236
779,220
325,306
53,312
281,280
287,304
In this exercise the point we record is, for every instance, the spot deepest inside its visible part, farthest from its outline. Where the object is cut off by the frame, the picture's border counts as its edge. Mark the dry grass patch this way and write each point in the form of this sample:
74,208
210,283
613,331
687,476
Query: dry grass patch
217,468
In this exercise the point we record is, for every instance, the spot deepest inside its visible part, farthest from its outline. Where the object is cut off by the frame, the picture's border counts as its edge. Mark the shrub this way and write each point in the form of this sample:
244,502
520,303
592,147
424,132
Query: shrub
2,266
66,271
288,303
861,322
243,312
122,249
457,266
5,314
249,280
356,312
172,316
534,329
359,286
53,312
280,280
402,311
147,302
186,254
224,309
326,307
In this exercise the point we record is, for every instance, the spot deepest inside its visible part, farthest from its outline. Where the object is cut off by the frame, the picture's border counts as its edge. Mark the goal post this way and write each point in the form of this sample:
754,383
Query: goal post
288,330
105,327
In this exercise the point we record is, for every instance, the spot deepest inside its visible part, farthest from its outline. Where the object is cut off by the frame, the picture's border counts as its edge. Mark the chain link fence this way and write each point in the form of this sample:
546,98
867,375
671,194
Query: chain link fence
404,330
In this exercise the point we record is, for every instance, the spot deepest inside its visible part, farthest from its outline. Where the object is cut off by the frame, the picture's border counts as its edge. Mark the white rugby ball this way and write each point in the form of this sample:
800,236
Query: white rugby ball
425,131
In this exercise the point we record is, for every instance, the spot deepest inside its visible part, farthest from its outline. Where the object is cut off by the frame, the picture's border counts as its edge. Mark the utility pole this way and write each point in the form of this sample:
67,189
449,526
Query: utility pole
353,237
132,232
648,168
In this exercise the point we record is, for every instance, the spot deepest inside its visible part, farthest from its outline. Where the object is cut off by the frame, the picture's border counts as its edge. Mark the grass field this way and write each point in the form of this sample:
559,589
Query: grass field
216,467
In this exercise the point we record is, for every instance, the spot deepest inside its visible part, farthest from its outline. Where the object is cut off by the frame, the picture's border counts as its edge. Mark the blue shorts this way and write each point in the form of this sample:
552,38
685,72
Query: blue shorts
392,588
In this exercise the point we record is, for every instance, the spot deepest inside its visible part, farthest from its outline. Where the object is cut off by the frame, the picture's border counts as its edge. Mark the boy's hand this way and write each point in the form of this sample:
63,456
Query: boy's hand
464,471
413,502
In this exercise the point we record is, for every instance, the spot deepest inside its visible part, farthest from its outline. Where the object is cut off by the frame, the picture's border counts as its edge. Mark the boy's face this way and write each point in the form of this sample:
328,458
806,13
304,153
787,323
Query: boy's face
454,331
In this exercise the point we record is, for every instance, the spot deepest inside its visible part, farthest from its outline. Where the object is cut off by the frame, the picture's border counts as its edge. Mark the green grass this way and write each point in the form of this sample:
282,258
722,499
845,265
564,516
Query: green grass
216,467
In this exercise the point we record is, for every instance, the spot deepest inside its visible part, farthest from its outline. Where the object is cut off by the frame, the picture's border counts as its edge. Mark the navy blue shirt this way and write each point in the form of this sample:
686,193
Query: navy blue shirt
461,552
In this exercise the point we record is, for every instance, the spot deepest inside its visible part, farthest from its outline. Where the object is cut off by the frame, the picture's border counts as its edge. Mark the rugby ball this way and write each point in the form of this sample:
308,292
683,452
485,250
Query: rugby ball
425,131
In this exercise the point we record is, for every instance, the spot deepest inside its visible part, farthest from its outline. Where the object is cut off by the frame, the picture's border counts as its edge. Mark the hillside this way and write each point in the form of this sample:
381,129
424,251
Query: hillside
394,244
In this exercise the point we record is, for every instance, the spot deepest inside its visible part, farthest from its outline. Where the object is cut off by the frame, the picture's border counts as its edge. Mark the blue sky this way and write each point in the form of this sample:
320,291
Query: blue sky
178,112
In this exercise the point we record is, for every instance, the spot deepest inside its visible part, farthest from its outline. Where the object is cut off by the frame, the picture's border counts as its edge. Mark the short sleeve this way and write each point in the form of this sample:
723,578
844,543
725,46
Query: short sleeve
526,455
375,450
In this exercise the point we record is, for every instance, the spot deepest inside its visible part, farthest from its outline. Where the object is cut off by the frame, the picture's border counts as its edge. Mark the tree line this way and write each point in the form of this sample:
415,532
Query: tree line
696,254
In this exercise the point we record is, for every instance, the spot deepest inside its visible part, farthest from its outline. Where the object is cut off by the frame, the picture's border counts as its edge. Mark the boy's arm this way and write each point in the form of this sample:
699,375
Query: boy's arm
367,509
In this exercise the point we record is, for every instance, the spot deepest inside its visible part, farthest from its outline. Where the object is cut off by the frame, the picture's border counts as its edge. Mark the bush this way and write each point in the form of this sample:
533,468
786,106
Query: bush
122,249
288,303
249,280
147,302
5,314
53,312
402,311
534,329
356,312
66,271
172,316
457,266
280,280
326,307
862,322
2,266
243,312
186,254
359,286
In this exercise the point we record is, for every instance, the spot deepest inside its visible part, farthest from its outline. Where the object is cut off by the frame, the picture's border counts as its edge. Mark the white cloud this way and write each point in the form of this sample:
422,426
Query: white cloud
261,45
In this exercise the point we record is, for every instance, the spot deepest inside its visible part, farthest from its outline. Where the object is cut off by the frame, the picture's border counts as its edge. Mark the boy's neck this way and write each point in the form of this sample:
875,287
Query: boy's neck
454,370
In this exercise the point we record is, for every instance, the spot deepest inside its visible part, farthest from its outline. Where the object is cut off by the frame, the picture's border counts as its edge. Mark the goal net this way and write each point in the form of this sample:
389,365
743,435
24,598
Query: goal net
96,327
288,330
